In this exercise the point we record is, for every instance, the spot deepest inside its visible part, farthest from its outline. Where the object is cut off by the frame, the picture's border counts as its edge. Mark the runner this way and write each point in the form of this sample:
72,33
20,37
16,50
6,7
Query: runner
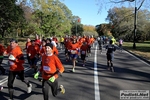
89,41
100,43
61,42
34,54
67,43
28,43
120,44
83,52
110,55
51,68
16,60
74,52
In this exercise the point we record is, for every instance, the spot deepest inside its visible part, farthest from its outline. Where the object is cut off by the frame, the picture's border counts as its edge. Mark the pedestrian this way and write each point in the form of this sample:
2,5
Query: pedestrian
110,55
50,69
16,60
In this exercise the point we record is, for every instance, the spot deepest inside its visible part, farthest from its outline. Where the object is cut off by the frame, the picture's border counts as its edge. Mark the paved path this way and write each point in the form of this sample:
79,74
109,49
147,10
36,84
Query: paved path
92,82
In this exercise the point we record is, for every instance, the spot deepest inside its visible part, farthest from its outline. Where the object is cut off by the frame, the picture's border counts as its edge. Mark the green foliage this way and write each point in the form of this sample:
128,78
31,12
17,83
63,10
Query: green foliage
122,20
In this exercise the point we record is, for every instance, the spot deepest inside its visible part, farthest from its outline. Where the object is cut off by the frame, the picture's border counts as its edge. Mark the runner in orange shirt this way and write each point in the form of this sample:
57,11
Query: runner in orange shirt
34,53
89,43
74,52
28,43
83,52
67,43
16,61
50,69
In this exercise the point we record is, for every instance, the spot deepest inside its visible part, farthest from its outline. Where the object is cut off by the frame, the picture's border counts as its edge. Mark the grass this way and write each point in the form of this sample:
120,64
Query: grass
142,48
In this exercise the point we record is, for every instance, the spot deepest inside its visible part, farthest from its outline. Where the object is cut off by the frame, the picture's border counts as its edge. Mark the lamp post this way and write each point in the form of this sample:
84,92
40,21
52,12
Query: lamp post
76,27
135,23
77,21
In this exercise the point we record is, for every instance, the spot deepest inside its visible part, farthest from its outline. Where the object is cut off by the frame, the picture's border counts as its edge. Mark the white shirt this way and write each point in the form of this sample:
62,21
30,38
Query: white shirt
53,43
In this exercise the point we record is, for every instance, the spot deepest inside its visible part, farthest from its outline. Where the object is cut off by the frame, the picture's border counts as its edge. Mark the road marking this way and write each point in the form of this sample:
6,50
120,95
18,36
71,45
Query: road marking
6,79
138,58
96,84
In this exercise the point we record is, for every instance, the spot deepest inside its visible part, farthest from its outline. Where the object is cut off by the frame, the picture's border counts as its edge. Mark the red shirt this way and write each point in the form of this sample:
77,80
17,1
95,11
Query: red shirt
84,49
33,50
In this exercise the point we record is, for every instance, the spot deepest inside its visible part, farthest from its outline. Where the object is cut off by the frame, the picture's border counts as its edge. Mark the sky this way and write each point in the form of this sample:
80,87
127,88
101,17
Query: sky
87,10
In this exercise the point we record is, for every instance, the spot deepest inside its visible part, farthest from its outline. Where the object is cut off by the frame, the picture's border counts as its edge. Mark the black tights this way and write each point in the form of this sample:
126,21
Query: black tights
11,78
45,88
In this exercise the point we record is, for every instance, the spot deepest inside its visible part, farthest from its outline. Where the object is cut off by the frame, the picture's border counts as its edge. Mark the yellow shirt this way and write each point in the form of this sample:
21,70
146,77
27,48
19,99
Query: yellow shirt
61,39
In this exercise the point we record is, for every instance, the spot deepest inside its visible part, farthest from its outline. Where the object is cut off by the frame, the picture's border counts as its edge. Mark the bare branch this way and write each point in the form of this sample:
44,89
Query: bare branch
121,1
140,5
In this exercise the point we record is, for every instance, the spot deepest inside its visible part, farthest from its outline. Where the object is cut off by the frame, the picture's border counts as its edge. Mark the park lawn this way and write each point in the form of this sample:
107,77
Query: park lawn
142,48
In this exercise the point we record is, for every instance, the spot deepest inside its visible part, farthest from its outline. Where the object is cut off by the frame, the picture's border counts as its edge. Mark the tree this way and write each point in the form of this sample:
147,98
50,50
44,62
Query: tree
122,20
54,18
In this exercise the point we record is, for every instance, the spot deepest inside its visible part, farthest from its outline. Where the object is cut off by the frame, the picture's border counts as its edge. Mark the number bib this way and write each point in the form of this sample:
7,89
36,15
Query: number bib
11,63
83,52
46,68
73,51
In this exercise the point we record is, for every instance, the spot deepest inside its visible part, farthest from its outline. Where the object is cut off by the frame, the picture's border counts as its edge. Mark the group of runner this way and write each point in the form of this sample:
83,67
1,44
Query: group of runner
46,51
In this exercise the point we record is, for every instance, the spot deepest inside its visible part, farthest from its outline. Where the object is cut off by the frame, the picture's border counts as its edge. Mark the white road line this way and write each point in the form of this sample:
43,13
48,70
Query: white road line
6,79
96,84
138,58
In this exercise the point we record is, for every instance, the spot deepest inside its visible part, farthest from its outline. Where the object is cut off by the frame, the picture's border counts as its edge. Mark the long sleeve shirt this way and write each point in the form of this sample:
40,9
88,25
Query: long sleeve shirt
17,64
50,65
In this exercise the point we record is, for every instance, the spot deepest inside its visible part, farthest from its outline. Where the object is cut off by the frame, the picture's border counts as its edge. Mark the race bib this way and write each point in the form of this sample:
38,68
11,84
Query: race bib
11,63
83,52
46,68
73,51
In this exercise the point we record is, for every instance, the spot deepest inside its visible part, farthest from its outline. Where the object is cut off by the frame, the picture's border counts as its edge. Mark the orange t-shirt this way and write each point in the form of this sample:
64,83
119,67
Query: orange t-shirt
33,50
16,65
75,48
50,64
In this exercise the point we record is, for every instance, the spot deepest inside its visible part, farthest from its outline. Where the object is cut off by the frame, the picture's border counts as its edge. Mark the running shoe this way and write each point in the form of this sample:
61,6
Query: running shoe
29,89
73,70
62,89
112,69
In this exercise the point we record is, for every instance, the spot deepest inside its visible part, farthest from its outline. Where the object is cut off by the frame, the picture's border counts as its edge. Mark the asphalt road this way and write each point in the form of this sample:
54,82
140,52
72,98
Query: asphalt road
92,82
